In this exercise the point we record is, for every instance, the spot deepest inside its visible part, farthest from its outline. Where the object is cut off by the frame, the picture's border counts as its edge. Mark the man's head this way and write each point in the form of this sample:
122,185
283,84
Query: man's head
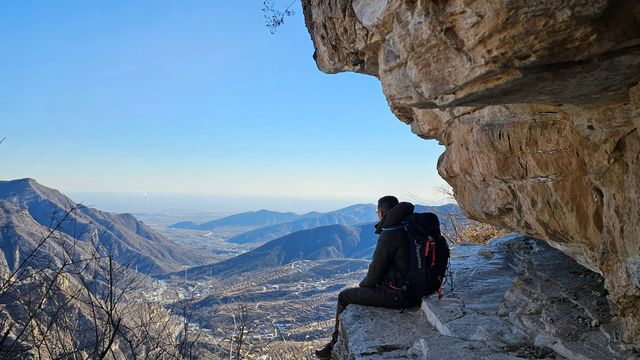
385,204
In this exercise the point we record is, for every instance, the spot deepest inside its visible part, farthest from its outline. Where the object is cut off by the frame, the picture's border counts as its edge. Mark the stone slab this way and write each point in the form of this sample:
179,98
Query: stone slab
518,292
374,333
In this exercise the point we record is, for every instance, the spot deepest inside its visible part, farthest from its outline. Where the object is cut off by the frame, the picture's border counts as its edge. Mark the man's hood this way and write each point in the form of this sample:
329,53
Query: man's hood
395,216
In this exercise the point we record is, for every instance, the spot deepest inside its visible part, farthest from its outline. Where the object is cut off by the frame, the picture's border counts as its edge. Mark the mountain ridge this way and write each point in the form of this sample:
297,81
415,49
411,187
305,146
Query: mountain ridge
262,218
350,215
331,241
129,238
257,218
321,243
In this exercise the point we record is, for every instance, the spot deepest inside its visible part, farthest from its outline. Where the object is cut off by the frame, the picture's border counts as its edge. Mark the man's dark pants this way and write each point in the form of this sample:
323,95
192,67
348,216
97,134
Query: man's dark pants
378,296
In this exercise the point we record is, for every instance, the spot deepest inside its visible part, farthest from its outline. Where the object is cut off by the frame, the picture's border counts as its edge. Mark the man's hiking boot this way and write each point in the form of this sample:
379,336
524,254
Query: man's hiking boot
325,352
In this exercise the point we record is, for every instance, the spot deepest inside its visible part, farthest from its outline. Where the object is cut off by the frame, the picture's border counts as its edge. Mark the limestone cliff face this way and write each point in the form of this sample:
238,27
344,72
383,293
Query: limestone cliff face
537,103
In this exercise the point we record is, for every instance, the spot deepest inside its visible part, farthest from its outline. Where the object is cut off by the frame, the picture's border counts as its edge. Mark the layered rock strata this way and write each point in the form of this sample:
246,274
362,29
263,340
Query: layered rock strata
537,104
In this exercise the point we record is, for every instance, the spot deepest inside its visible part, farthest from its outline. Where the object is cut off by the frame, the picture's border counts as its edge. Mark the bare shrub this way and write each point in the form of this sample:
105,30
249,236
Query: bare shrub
457,228
70,298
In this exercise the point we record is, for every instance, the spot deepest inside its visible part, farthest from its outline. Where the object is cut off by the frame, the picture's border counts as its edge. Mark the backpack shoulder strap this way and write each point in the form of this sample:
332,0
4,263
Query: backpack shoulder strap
391,228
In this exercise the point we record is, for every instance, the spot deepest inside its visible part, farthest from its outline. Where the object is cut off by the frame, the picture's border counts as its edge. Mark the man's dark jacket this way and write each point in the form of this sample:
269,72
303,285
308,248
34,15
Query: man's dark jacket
392,250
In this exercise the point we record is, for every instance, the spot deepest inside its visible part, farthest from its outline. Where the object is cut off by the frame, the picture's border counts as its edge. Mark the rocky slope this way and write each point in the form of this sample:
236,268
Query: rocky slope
61,295
28,210
537,104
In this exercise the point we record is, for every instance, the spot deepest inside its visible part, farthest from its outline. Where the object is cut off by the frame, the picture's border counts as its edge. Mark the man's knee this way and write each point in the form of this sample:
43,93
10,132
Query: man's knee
348,296
343,297
370,297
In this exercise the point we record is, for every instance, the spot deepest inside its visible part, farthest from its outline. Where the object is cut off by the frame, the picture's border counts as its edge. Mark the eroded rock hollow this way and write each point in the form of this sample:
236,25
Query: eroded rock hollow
536,102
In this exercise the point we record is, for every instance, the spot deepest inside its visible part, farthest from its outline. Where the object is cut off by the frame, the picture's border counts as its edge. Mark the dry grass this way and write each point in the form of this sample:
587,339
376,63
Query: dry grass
477,233
459,229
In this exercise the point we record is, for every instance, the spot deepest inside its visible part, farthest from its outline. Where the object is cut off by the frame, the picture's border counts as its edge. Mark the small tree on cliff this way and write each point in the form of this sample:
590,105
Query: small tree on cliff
274,18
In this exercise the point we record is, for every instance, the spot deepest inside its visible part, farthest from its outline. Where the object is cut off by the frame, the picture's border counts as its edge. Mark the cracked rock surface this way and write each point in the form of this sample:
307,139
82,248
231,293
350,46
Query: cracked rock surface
374,333
513,298
517,292
536,102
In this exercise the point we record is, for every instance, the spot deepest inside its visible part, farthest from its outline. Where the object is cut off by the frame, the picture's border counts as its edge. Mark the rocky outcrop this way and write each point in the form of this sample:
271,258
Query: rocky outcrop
519,293
370,333
537,104
503,300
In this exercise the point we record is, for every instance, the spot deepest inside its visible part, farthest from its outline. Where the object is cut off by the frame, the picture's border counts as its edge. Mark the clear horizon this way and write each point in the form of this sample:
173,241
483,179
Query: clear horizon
195,98
186,204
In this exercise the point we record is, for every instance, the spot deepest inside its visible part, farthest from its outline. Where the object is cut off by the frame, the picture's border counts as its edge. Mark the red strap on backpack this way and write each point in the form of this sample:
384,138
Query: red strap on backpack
433,253
426,248
433,256
433,262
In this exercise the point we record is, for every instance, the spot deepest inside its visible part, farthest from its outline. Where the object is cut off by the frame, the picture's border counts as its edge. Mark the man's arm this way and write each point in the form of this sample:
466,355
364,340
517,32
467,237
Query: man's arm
380,263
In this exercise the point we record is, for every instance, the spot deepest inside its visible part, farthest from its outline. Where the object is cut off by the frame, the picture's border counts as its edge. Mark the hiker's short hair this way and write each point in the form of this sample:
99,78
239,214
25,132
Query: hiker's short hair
386,203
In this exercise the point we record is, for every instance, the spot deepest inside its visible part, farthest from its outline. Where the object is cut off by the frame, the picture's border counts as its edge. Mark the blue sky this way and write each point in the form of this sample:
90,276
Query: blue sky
193,97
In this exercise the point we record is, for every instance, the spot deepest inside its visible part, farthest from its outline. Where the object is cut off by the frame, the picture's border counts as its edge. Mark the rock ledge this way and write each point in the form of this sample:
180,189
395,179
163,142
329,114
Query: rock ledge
513,298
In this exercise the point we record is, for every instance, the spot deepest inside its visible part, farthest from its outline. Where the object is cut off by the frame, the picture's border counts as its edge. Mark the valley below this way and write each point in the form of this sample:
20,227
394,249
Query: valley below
286,309
289,306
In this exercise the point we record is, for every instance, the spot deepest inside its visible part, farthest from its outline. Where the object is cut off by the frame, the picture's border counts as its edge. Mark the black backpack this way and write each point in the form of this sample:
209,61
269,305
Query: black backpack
429,255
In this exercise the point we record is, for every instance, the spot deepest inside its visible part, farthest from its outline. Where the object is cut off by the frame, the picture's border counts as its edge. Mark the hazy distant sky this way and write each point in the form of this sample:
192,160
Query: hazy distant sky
191,97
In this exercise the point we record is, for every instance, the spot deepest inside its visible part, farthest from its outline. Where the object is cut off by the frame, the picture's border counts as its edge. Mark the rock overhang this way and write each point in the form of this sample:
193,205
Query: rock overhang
536,104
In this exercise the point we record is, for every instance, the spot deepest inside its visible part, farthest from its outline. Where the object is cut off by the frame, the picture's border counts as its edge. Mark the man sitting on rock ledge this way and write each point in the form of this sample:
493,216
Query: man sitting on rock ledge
390,259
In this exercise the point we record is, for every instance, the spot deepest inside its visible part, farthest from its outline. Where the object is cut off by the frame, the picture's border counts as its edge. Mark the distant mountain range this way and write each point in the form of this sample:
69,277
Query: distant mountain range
352,215
319,242
247,219
325,242
276,226
29,210
440,210
271,219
